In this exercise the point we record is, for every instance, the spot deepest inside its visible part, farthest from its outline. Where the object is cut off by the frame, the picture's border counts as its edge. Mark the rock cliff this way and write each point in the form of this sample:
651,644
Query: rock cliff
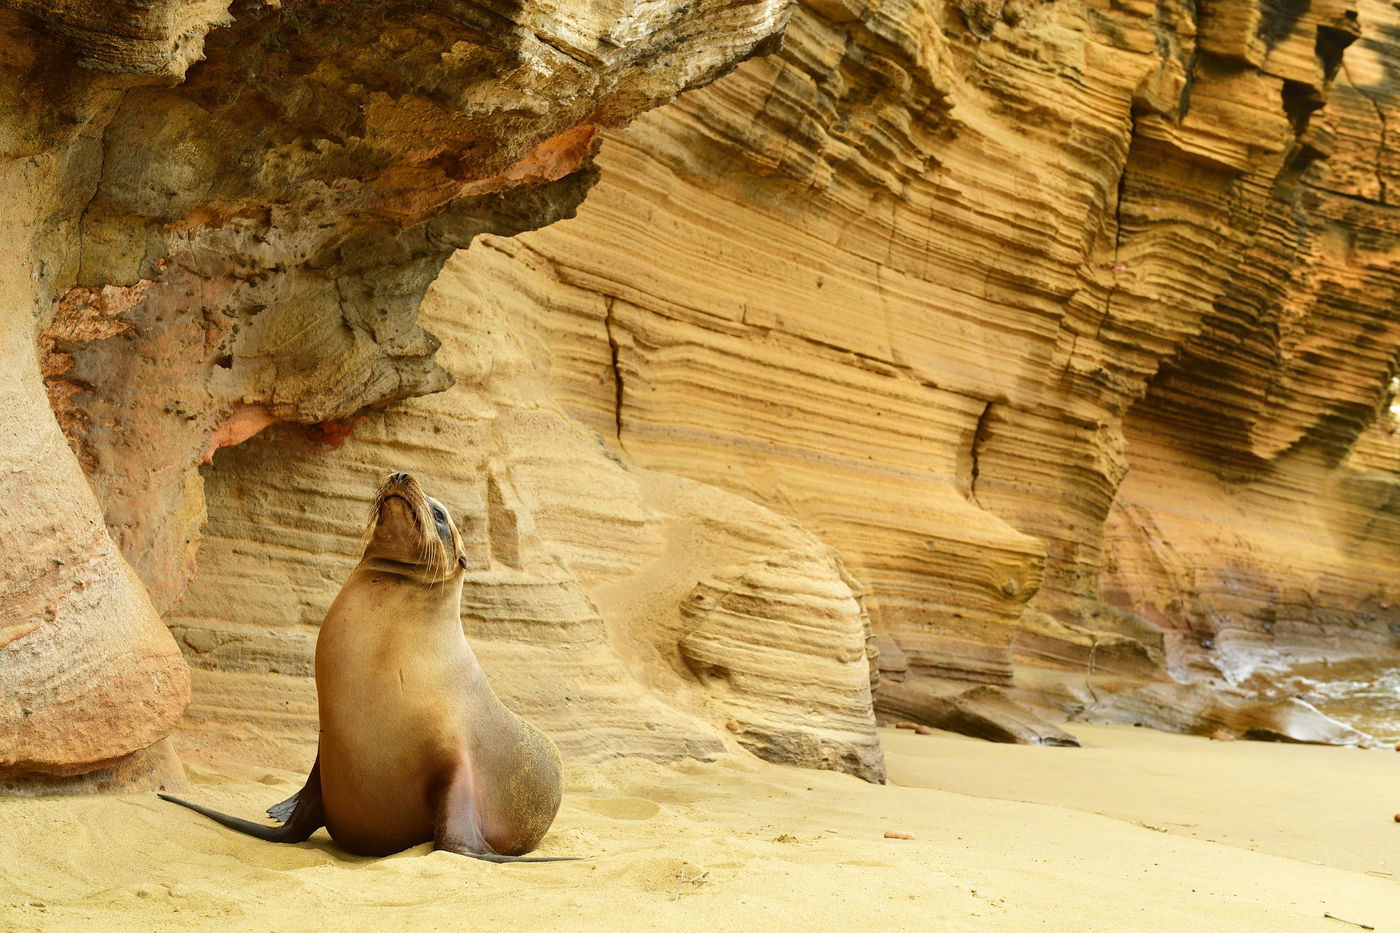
223,216
1040,350
1070,327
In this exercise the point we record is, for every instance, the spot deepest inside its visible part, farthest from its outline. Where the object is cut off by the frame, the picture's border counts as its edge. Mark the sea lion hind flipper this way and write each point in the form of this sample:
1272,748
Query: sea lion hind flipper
281,811
311,791
258,830
307,814
489,856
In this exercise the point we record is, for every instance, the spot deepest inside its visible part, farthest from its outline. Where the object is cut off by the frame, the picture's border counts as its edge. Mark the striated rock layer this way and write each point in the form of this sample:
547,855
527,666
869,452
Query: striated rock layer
224,215
1063,323
1046,346
582,601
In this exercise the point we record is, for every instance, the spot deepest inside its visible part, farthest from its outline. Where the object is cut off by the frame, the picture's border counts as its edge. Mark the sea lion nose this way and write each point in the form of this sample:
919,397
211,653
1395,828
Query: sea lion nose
399,478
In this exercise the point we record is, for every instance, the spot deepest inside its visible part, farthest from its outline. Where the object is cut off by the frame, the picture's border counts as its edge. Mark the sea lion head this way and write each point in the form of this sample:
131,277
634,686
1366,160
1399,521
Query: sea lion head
410,529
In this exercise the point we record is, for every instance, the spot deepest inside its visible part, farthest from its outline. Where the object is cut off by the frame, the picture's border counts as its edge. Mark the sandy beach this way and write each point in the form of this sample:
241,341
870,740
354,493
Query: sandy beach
1138,830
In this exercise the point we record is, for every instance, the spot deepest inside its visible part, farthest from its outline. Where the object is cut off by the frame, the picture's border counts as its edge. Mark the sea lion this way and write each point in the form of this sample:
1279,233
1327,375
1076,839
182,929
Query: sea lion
414,745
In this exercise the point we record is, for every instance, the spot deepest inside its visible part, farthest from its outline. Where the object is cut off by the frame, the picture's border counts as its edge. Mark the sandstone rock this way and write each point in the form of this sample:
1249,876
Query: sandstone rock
157,37
281,211
582,606
1077,334
1059,335
88,674
209,230
1198,710
143,771
779,642
984,712
1044,641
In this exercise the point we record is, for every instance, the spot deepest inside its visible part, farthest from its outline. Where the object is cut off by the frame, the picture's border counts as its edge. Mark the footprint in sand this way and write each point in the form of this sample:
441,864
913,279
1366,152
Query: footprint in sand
624,808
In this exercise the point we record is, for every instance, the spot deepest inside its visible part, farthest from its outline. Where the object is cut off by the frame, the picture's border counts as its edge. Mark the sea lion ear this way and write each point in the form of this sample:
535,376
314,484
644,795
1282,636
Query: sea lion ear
462,561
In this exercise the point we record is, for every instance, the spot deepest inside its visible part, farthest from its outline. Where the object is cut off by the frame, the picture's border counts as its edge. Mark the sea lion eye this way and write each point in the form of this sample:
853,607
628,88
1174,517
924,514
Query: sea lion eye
439,514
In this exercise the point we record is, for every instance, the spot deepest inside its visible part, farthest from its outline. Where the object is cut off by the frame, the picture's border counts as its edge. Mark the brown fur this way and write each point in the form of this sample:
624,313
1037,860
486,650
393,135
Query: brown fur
414,744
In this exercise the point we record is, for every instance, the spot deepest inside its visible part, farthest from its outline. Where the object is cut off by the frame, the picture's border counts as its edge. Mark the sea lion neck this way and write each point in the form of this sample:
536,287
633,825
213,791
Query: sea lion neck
376,567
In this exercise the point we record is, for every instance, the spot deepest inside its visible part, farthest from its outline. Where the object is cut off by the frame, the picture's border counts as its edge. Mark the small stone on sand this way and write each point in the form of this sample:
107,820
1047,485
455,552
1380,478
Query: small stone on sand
1220,735
896,834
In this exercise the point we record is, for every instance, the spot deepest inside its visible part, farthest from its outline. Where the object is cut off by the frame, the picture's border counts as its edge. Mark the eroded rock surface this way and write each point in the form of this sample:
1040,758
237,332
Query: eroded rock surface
1069,327
1200,710
88,675
984,712
224,215
1046,345
581,603
281,211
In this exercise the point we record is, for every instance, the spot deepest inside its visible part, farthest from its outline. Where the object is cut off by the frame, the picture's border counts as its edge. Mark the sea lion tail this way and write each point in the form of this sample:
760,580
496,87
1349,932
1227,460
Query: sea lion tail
283,833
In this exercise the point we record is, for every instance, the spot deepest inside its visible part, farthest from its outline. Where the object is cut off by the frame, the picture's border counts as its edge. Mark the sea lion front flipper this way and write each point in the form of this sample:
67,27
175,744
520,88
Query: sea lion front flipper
457,824
307,816
280,811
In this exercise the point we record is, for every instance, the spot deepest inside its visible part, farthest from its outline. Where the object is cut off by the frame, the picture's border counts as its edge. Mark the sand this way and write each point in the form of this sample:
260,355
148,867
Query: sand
1138,830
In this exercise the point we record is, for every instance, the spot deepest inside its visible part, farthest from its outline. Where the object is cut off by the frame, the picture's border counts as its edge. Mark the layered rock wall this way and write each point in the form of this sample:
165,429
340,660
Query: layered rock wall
196,253
1033,343
1057,321
624,611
